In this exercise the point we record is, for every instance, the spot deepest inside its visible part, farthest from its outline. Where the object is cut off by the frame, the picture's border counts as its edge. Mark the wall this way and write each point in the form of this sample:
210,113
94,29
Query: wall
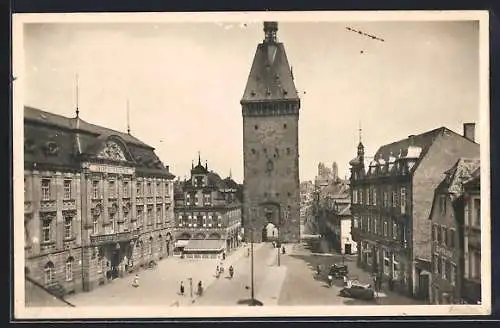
441,156
270,142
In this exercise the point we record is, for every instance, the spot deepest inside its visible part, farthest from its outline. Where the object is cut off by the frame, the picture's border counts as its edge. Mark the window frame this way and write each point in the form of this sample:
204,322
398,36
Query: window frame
46,190
68,192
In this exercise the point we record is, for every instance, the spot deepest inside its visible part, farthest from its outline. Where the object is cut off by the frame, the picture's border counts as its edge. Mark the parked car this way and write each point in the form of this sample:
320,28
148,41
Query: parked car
358,290
338,271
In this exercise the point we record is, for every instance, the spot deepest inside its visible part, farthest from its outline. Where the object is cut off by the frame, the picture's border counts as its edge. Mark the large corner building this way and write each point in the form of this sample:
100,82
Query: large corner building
97,203
270,108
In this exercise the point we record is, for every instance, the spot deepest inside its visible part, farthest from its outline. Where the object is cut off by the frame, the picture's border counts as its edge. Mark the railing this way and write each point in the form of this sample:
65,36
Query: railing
48,205
139,201
69,204
114,237
159,199
150,200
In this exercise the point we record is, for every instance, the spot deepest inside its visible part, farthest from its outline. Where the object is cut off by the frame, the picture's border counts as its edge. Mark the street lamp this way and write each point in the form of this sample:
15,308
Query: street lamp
191,287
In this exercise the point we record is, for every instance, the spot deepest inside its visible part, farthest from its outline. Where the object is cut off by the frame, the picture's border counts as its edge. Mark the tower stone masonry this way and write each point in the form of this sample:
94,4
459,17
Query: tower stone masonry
270,109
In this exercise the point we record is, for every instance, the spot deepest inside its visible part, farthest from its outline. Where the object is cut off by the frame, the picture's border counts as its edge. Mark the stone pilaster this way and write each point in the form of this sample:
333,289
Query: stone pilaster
105,198
35,232
119,195
58,195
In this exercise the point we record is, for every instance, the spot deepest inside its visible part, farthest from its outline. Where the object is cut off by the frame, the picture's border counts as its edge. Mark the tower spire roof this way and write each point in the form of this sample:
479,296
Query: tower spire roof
270,77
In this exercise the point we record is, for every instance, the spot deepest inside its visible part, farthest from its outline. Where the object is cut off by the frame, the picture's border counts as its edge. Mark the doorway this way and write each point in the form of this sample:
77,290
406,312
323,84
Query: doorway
347,249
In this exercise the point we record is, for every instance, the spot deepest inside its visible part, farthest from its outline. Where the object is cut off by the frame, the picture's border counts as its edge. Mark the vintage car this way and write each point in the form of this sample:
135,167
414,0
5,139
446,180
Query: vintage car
356,289
338,271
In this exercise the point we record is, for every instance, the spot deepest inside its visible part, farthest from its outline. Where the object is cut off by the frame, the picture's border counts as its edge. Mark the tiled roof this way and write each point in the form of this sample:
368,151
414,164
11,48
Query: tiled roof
270,77
77,140
459,174
399,148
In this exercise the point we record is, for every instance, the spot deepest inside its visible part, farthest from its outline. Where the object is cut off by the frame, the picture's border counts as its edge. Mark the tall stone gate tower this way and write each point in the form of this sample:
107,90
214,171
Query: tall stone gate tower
270,108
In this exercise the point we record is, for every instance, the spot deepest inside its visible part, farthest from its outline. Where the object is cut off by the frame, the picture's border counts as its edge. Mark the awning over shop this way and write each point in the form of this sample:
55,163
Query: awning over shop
204,245
181,243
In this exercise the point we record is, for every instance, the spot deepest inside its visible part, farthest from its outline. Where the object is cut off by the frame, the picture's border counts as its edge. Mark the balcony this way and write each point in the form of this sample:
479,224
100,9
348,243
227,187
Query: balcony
198,229
159,199
168,199
69,204
150,200
113,238
139,201
48,206
28,207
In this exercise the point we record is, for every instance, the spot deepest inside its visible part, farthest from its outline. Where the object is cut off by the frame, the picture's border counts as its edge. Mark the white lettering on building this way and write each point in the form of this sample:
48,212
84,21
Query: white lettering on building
102,168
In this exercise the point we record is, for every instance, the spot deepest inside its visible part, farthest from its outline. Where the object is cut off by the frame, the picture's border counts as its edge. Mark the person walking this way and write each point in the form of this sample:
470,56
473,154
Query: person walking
200,288
135,283
345,281
182,288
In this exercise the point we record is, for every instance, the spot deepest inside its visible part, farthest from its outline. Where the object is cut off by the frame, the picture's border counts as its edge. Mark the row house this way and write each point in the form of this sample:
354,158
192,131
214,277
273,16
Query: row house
447,217
208,214
391,201
97,202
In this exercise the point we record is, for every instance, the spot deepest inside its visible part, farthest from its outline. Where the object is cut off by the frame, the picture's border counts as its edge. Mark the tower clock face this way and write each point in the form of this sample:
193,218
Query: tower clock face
269,130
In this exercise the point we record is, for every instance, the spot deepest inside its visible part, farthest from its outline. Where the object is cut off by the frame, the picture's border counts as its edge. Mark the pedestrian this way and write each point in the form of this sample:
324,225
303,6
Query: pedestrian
135,283
223,255
182,288
200,288
345,281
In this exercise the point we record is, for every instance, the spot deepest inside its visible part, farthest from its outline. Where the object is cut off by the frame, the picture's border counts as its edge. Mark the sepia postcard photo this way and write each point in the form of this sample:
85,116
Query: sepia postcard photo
251,164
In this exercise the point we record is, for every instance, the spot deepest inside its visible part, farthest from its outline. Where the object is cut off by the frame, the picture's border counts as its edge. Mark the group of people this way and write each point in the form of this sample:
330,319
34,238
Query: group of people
220,269
200,288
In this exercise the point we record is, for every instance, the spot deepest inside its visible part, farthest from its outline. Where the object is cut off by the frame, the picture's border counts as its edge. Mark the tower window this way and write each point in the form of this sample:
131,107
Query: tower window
256,127
289,194
288,151
253,151
265,150
284,126
265,194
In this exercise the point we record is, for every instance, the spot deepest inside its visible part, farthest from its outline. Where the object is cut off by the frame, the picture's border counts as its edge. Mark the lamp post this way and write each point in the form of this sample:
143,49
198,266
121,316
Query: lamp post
191,287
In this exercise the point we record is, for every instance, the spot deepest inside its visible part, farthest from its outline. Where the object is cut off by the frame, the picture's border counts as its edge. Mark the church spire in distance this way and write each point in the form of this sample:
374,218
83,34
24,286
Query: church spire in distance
361,148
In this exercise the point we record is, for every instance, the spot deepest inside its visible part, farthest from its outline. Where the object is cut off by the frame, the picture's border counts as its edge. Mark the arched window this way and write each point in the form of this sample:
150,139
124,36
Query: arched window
69,268
49,273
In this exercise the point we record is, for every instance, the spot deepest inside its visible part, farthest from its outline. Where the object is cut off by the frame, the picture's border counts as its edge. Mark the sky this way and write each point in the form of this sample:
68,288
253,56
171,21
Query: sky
184,82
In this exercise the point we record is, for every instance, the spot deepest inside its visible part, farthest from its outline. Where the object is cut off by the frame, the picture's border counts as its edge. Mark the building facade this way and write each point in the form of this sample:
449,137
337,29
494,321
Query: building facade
391,201
270,108
208,214
98,202
447,217
471,287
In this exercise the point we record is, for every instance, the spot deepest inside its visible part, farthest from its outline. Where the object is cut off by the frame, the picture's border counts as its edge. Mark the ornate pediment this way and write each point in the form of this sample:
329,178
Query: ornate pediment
112,151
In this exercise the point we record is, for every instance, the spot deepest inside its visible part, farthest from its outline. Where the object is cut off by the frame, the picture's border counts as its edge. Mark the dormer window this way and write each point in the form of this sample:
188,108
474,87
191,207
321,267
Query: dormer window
199,181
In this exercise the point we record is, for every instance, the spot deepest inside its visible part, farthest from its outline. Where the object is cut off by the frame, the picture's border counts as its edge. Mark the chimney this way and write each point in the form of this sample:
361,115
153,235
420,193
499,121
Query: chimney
411,138
470,131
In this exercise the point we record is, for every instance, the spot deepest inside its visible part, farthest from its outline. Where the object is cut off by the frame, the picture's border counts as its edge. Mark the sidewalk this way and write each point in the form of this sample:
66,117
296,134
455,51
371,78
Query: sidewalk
159,286
211,278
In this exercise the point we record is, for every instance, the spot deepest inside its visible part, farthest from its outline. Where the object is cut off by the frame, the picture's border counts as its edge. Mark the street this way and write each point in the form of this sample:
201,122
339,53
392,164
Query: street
294,282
